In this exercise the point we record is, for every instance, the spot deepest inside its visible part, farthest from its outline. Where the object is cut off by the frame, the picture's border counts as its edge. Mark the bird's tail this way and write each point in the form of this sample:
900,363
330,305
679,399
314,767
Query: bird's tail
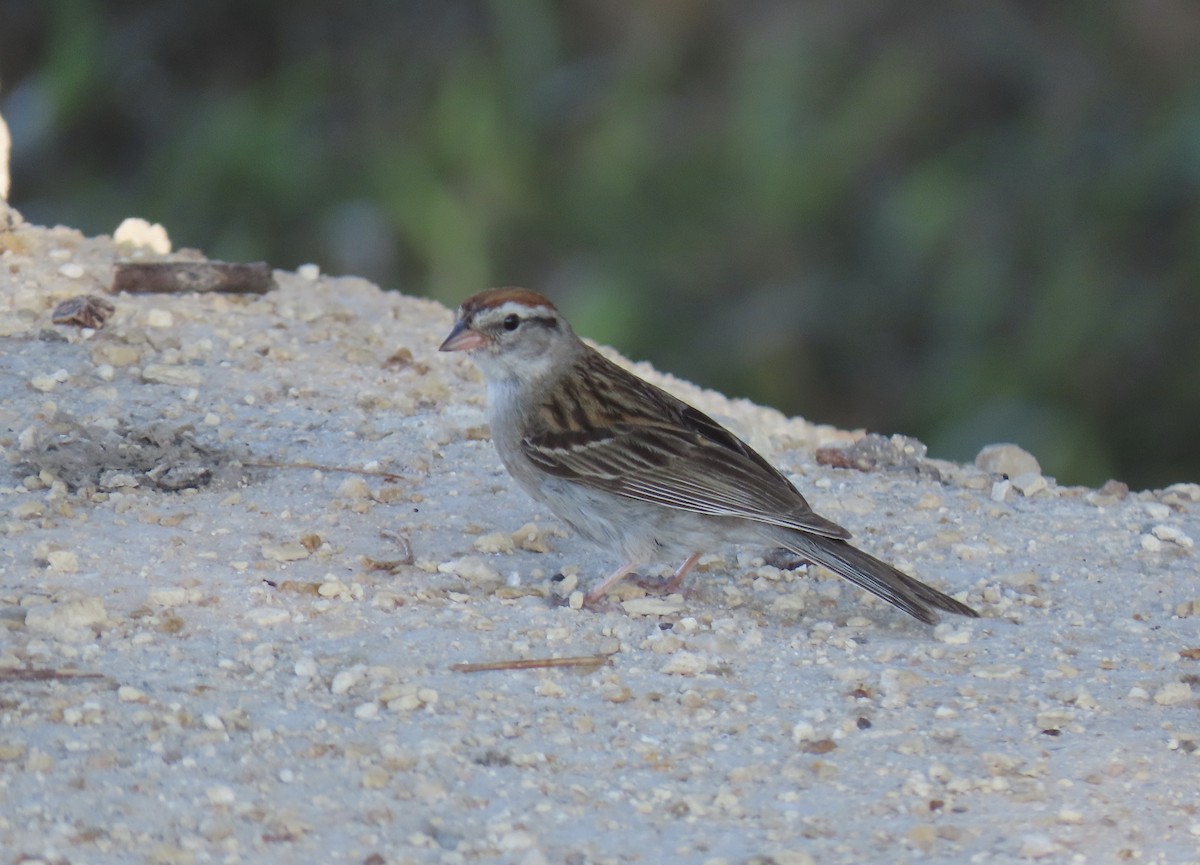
879,578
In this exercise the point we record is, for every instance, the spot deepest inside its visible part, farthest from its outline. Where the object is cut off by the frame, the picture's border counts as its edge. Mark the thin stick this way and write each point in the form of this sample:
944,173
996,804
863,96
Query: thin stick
43,675
275,464
182,277
533,663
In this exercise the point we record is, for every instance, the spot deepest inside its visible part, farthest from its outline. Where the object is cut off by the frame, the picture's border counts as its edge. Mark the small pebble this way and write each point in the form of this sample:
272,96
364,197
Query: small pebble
1037,846
130,694
495,542
803,731
1007,459
47,383
137,233
160,318
549,689
355,489
220,795
292,551
213,722
1029,484
176,376
168,596
267,616
685,664
71,270
1173,694
346,679
1001,489
334,588
473,569
63,561
922,836
652,606
69,620
1158,511
1174,535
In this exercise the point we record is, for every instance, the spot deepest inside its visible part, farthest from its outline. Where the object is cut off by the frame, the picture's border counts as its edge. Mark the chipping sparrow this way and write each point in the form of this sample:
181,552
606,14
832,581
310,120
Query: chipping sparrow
632,468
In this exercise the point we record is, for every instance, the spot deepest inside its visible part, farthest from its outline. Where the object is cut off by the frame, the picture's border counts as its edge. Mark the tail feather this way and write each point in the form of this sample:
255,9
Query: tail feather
877,577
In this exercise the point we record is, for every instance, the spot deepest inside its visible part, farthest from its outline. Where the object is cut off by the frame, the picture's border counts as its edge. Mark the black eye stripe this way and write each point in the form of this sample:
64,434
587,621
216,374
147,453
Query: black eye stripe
512,321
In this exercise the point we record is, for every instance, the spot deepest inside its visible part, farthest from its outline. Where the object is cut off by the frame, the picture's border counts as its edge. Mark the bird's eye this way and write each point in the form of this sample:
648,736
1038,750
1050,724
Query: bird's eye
512,322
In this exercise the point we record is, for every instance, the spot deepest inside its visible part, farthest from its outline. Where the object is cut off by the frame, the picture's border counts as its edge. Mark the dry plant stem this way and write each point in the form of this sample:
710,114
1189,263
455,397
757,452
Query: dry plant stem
277,464
405,546
531,664
42,675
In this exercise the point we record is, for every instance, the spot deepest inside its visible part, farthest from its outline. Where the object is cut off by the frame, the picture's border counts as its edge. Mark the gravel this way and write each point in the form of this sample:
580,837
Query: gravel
245,541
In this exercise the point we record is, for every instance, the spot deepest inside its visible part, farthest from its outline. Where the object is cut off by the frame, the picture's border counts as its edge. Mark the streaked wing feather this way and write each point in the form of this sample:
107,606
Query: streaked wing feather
677,467
645,444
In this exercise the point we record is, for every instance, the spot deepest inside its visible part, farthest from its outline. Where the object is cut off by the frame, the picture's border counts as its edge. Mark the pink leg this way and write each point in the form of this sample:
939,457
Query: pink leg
601,590
671,585
676,581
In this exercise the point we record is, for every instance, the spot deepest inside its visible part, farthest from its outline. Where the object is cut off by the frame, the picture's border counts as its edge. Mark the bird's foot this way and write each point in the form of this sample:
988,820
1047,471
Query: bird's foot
659,586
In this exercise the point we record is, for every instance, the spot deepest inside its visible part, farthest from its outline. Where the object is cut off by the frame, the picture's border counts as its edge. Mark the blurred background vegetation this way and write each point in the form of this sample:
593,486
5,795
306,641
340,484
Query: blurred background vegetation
968,222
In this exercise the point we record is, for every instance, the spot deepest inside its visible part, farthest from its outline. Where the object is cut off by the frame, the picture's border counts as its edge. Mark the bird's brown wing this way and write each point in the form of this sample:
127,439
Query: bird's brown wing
668,453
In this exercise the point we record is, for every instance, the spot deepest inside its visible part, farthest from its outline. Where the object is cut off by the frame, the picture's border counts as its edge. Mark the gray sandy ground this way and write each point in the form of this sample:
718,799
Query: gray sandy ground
213,651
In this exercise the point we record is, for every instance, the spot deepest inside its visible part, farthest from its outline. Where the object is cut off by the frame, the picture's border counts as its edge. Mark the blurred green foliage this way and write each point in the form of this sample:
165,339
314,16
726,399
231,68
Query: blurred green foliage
966,222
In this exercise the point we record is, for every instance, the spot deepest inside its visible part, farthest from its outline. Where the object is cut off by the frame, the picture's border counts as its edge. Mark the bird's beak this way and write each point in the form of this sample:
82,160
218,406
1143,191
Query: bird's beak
462,338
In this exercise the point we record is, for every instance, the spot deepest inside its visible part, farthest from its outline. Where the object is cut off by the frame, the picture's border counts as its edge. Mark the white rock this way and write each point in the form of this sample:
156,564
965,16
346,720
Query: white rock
1173,534
220,795
649,606
1173,694
685,664
292,551
212,721
1000,490
346,679
1008,460
157,317
178,376
140,234
803,731
1029,484
267,616
1037,846
66,620
63,561
495,542
168,596
43,383
1158,511
473,569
